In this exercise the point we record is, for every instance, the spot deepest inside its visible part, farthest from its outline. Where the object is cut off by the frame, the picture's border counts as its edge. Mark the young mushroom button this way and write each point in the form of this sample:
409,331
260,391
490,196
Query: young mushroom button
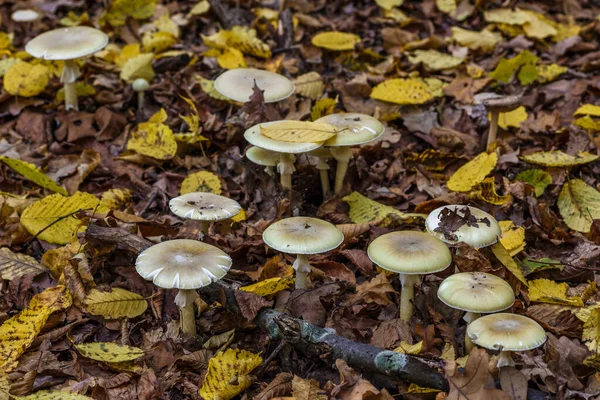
476,293
140,85
354,129
204,207
238,84
186,265
302,236
68,44
25,16
410,254
506,333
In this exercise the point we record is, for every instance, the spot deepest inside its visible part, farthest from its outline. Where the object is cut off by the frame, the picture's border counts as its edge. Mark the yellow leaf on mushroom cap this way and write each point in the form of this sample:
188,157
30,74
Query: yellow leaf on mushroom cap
227,374
25,79
298,131
473,172
336,41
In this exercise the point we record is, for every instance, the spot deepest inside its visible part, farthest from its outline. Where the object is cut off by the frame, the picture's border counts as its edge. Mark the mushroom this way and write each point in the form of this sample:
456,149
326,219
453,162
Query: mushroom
410,254
354,129
506,332
238,84
25,16
140,85
302,236
186,265
322,154
68,44
266,158
204,207
286,149
496,105
456,223
475,293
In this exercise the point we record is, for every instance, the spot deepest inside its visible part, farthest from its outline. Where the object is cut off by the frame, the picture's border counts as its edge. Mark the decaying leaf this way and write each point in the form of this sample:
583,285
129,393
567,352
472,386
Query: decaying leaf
403,91
201,181
513,237
557,158
579,205
299,131
118,303
138,67
31,172
310,85
547,291
473,172
363,209
25,79
269,286
13,265
337,41
537,178
153,138
109,352
506,259
435,60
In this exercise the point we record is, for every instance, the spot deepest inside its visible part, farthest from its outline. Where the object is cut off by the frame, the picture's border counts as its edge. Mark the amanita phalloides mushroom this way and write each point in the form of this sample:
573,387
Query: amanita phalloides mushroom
140,85
497,105
238,84
204,207
264,157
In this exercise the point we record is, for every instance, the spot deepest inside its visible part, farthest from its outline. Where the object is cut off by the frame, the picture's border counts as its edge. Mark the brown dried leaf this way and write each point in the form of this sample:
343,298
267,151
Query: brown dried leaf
250,303
513,382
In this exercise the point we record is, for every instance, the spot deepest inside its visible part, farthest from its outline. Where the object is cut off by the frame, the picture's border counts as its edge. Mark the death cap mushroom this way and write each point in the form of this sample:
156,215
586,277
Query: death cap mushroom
303,235
475,227
67,43
476,292
264,157
204,206
256,138
25,15
238,84
354,129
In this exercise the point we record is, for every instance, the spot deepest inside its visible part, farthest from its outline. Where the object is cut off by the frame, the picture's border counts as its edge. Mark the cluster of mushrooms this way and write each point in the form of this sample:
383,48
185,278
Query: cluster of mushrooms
413,253
353,129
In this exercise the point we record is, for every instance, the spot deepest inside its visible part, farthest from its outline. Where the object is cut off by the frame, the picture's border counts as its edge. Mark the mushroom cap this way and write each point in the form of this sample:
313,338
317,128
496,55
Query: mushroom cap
303,235
204,206
477,292
26,15
503,103
506,332
182,264
262,156
255,137
67,43
140,84
238,84
409,252
357,129
476,236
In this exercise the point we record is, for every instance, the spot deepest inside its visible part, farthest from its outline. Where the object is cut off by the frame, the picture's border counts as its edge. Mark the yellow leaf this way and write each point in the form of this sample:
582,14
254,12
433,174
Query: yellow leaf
397,16
57,213
557,158
26,80
549,73
269,286
588,109
591,332
512,119
389,4
128,52
407,348
118,303
17,333
202,181
473,172
485,39
6,40
363,209
336,41
588,123
506,16
486,191
116,199
241,216
56,259
434,60
32,173
119,10
220,341
513,237
241,38
109,352
200,8
72,19
154,139
505,258
403,91
227,374
323,107
446,6
138,67
53,395
310,85
299,131
82,89
579,205
157,42
166,24
416,389
7,64
547,291
307,389
231,58
537,27
17,264
193,122
208,87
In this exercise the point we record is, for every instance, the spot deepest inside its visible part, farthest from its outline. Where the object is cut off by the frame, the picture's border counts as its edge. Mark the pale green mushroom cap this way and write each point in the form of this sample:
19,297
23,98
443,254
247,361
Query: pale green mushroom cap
25,15
256,138
506,332
238,83
140,84
477,292
409,252
354,128
67,43
204,206
476,236
263,157
303,235
182,264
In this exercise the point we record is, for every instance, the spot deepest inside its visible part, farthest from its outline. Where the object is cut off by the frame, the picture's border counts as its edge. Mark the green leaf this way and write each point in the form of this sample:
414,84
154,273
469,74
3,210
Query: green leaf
32,173
537,178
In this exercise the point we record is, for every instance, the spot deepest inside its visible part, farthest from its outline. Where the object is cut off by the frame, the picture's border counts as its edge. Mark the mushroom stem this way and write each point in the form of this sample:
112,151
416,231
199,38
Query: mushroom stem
342,155
469,317
203,229
493,129
285,169
140,100
187,318
505,359
302,267
69,76
407,295
324,182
